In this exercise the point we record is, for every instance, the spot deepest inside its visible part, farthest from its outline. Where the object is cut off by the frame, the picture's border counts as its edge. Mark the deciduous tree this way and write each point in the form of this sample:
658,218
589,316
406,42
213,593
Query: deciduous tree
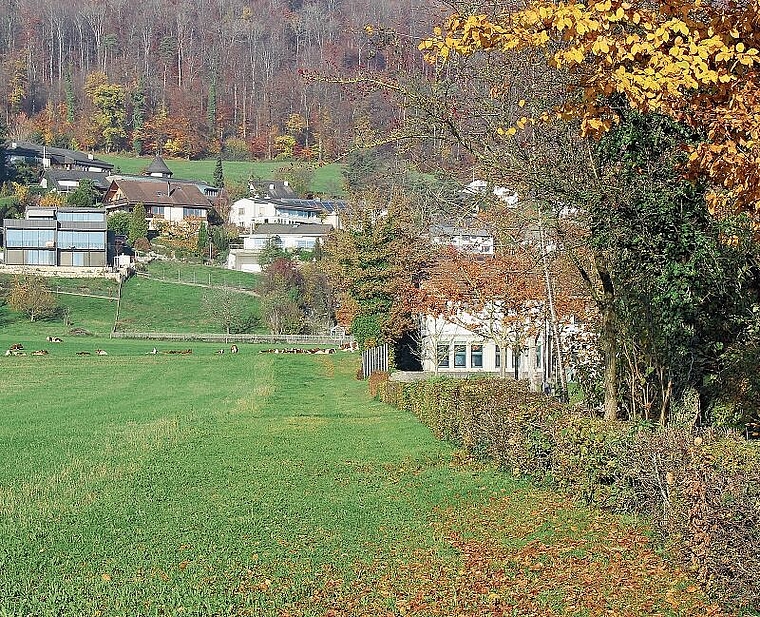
32,297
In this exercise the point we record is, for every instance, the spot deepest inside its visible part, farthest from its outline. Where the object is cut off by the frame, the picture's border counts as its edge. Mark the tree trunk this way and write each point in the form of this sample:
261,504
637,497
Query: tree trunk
609,340
553,322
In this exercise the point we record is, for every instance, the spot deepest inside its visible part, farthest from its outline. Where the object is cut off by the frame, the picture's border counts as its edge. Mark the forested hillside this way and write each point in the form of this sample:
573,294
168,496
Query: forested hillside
187,77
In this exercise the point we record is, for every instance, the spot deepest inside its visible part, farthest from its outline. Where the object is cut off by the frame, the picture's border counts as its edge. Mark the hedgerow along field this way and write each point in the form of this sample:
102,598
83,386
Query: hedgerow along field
259,484
327,179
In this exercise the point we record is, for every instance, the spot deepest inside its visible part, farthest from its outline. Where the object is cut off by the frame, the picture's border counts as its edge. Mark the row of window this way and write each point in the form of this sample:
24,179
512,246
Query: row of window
458,355
91,240
95,217
19,238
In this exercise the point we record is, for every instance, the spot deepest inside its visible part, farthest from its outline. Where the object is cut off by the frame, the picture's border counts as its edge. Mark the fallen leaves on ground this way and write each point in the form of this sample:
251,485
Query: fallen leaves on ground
510,557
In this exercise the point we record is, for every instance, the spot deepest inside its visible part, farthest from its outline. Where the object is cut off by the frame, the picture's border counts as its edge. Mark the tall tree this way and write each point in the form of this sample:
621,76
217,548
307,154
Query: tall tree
138,226
218,179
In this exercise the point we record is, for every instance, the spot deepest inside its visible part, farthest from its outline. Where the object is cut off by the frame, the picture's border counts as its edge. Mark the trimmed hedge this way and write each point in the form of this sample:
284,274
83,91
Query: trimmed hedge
700,490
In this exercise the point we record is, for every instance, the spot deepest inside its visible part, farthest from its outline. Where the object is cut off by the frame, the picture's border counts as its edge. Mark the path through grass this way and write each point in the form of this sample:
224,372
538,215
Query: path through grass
253,484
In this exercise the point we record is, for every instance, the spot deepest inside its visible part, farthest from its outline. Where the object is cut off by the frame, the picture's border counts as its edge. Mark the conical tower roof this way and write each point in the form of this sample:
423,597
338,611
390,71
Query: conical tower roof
158,168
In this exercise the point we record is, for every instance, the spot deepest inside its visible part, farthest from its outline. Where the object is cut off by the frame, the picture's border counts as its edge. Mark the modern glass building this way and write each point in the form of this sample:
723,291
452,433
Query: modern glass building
65,237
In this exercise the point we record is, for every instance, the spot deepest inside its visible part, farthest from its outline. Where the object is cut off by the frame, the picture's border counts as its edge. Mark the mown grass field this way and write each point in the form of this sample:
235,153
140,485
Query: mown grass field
274,486
257,484
327,179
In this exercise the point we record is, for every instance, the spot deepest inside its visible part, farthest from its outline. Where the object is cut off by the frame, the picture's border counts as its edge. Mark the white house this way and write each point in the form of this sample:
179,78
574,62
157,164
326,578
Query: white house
448,347
470,237
291,238
275,202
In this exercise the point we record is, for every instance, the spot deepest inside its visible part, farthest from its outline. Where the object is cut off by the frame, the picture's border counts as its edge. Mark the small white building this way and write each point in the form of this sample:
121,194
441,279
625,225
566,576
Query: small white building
273,202
448,348
290,238
472,237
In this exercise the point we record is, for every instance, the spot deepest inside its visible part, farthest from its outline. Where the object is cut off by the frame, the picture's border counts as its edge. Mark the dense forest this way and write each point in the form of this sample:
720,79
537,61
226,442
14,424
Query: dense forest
189,77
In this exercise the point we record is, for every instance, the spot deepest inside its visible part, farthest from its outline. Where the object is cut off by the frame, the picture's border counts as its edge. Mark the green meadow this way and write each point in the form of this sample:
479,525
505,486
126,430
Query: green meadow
327,179
273,485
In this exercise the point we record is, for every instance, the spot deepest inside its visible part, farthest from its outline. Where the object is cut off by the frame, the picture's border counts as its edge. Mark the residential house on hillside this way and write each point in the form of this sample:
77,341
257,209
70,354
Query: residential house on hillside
68,180
56,158
164,199
469,235
290,237
275,202
58,237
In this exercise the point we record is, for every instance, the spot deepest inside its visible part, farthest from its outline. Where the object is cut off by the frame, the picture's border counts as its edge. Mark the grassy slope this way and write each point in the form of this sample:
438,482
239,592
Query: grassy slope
147,305
327,180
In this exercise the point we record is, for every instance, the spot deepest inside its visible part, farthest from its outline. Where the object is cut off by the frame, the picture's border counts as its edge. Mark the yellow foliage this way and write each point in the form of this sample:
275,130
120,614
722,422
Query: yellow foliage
697,63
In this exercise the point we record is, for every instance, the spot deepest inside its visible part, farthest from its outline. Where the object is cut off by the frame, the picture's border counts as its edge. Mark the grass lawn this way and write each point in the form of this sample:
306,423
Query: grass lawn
327,179
271,485
197,273
147,305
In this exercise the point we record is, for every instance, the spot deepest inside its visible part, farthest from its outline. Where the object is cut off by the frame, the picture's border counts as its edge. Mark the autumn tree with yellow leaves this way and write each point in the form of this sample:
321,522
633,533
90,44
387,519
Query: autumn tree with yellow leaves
696,62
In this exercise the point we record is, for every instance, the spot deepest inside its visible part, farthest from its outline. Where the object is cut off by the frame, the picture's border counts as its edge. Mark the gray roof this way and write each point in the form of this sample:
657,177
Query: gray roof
455,230
157,166
56,176
274,189
59,156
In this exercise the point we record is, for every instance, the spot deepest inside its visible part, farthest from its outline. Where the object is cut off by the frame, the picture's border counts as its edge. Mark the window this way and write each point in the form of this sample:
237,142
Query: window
539,354
96,217
241,211
498,357
193,212
460,356
476,356
156,210
14,238
39,258
442,355
32,238
93,240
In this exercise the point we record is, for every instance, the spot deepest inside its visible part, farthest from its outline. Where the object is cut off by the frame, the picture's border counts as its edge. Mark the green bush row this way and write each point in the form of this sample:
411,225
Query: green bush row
700,489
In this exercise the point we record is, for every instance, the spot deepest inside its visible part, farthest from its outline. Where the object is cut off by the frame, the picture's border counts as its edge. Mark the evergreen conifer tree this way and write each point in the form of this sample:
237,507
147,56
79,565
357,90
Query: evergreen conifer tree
218,180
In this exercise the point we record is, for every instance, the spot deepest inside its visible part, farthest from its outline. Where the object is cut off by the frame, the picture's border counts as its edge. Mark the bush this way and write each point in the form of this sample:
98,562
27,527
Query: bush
701,491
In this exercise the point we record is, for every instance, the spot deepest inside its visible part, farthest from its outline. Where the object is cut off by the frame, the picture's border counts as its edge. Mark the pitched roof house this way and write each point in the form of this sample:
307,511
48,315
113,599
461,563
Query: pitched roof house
163,198
60,158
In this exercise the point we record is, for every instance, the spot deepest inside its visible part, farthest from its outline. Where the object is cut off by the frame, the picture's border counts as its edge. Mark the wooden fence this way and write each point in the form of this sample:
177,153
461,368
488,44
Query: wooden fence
269,339
374,359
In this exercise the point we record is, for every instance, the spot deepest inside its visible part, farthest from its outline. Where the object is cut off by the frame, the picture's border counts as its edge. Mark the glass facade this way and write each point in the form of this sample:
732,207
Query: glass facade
39,258
93,217
60,238
82,240
20,238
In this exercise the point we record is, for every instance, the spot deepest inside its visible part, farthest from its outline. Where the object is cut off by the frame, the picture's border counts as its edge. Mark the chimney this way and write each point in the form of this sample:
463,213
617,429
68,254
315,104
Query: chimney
168,188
